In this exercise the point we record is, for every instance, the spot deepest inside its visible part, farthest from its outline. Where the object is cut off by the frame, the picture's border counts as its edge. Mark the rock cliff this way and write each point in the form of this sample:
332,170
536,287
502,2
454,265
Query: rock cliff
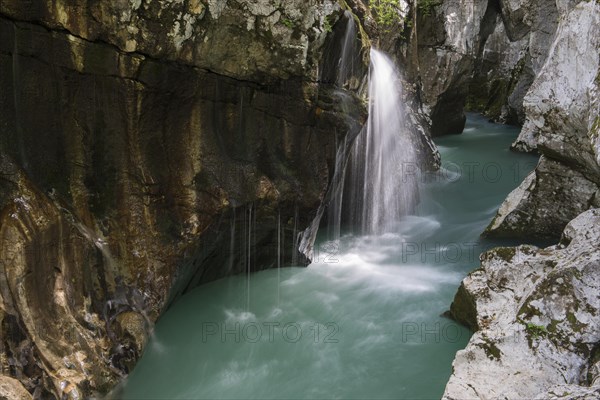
147,147
535,311
562,121
483,55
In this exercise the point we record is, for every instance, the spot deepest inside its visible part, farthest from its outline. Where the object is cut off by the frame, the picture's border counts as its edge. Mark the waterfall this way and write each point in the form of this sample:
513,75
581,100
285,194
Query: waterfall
342,59
380,184
348,51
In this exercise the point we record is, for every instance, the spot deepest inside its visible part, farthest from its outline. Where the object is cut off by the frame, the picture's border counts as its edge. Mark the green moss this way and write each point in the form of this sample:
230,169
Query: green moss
595,131
527,312
327,25
463,309
536,331
385,11
366,42
505,253
576,326
288,22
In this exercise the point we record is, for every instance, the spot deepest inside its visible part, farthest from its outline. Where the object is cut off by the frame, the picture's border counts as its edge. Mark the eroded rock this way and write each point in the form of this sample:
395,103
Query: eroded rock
562,103
537,318
562,108
549,197
251,40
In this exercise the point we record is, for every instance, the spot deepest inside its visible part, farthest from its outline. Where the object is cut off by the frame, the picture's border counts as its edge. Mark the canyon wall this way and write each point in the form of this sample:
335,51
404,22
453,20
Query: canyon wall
534,311
523,62
145,148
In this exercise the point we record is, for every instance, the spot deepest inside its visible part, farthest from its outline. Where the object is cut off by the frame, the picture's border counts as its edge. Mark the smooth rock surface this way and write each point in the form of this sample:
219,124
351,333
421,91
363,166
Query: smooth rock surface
448,41
562,105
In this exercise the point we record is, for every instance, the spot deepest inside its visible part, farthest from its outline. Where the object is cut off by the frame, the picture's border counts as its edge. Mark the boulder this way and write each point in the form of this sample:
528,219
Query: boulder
536,316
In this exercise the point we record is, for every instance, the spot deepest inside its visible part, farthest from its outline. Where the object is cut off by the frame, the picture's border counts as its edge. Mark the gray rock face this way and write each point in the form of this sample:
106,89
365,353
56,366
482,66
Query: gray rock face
562,108
502,76
544,202
571,392
536,313
449,40
484,54
562,103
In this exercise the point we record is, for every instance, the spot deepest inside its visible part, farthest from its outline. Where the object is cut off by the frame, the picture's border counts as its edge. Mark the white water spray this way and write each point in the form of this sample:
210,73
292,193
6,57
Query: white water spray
383,190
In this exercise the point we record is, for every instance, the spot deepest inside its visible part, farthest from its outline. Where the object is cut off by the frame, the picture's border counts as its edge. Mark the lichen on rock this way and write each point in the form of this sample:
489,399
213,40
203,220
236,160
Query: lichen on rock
536,316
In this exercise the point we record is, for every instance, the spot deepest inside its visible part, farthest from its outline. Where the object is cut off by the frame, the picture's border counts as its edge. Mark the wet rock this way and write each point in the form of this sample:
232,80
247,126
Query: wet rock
250,40
133,324
537,318
170,140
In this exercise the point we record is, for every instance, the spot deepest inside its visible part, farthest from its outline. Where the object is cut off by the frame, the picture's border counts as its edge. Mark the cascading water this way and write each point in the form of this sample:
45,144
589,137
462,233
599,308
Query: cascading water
381,187
363,320
348,52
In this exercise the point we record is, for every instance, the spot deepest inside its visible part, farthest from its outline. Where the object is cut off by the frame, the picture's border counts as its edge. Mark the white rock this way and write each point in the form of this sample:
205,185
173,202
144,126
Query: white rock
537,312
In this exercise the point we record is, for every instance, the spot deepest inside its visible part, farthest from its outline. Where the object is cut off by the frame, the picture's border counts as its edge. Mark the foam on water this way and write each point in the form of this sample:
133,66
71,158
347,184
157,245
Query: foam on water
368,309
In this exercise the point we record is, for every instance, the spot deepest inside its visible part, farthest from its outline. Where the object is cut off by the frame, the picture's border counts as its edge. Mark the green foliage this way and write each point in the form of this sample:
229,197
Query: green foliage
386,11
287,22
426,6
536,331
327,25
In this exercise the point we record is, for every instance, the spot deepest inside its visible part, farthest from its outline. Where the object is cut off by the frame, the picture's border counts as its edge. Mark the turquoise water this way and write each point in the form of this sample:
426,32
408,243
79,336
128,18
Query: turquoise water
362,321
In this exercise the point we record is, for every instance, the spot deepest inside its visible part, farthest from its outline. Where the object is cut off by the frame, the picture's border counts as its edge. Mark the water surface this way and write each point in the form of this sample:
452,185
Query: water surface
363,321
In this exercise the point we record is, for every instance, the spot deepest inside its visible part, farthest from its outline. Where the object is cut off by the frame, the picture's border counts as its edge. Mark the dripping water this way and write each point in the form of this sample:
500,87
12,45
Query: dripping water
295,237
17,88
249,226
278,257
231,260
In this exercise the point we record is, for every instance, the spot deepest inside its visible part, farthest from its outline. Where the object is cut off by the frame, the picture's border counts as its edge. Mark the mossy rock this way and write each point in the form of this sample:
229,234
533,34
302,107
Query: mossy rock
464,308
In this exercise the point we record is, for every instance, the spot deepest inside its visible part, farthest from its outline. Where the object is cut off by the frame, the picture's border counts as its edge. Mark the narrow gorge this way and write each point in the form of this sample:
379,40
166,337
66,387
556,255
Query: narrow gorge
299,199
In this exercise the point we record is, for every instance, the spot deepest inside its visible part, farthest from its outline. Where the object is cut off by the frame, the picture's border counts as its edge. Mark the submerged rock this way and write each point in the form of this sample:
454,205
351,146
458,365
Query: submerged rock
536,316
